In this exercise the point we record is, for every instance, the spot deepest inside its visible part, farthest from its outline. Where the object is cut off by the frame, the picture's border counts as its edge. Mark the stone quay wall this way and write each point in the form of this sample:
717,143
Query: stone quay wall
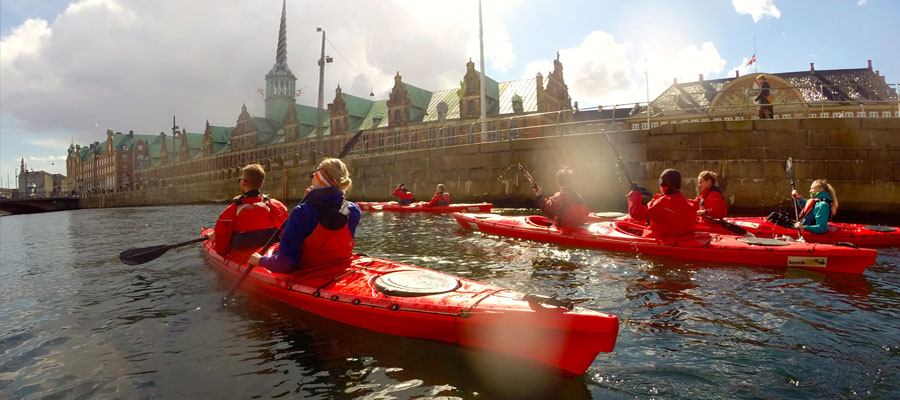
860,157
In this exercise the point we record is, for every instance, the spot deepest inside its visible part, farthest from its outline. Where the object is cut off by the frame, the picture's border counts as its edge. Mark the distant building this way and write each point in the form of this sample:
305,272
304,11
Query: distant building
836,93
411,118
38,183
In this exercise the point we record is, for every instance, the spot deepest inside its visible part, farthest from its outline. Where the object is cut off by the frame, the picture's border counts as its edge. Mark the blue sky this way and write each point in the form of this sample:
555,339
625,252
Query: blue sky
71,70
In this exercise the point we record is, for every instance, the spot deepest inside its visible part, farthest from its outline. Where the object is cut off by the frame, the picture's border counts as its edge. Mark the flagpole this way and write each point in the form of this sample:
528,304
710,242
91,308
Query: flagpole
756,67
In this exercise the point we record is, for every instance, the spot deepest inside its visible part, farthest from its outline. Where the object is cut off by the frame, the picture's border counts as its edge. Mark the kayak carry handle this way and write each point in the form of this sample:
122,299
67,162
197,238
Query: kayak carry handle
537,299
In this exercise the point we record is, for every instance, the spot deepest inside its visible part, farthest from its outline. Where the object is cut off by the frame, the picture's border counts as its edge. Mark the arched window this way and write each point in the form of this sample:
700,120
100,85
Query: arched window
470,108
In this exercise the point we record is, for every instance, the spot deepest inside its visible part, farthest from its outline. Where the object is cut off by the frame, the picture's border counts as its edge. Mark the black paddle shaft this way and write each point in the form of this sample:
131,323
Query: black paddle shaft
528,175
145,254
733,228
619,158
790,172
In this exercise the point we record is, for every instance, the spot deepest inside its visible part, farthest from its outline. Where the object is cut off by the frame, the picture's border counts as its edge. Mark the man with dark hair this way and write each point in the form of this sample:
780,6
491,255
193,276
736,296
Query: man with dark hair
669,213
250,220
566,207
404,196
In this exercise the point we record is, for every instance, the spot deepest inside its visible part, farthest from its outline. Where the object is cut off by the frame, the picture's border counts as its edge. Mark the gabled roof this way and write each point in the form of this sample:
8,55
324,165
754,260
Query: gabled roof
357,110
418,101
815,86
378,112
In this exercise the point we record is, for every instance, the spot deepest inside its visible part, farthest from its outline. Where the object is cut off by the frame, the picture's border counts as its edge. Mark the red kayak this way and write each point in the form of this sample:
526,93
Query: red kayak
404,300
701,246
870,236
420,207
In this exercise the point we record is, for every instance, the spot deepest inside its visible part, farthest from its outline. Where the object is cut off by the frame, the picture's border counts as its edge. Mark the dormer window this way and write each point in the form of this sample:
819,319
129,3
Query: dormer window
517,104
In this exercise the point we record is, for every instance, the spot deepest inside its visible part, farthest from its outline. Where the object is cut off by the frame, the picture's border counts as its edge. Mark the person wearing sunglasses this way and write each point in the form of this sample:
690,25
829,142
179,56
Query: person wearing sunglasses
250,220
320,231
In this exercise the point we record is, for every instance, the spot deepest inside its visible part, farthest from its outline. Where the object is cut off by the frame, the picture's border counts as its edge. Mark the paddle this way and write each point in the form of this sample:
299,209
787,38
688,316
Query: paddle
789,168
644,192
243,277
250,267
527,175
145,254
735,229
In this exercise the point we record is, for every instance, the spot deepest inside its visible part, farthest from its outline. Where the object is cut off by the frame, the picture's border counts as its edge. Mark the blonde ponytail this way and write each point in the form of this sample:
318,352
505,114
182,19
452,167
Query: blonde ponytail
831,192
337,170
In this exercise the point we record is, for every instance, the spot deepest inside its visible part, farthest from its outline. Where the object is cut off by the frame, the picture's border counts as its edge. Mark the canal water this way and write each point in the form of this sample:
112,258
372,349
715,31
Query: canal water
75,323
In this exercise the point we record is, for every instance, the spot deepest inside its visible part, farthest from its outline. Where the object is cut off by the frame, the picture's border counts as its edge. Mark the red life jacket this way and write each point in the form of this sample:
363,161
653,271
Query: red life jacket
713,202
247,223
257,213
439,199
402,194
566,207
669,214
326,246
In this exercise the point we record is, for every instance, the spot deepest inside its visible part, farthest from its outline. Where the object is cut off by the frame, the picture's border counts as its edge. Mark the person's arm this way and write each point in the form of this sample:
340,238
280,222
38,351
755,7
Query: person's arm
715,205
644,212
300,224
434,200
355,215
553,205
820,213
222,231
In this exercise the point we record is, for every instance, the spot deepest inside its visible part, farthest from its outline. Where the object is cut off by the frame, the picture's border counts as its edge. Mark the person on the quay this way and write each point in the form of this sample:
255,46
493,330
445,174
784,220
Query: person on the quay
710,202
250,220
669,212
403,194
566,206
440,198
320,231
764,98
819,209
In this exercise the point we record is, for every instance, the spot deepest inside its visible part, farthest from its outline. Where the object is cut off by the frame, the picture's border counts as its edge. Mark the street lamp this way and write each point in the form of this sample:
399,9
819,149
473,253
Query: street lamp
323,59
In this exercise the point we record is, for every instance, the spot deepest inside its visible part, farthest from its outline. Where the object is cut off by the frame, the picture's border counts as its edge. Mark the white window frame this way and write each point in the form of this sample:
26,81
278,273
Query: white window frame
824,115
848,114
837,114
886,114
861,114
635,127
873,114
645,125
654,124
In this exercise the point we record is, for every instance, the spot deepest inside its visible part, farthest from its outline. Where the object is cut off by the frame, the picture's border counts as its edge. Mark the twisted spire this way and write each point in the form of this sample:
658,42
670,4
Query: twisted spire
281,53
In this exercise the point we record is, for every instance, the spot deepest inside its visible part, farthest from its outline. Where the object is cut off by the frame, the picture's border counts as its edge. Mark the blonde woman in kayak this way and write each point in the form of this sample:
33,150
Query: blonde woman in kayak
820,208
321,229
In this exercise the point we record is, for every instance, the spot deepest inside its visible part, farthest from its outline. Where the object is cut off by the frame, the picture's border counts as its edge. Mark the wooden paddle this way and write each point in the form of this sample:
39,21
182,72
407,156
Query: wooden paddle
145,254
789,168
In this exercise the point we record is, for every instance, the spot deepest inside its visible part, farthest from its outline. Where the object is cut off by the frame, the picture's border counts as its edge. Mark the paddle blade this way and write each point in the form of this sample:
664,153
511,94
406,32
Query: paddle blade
789,168
735,229
143,254
350,143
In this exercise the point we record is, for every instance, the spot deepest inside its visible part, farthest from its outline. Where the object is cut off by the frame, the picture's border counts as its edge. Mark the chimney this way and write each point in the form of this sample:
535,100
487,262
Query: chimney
674,81
701,77
877,72
812,67
870,65
737,73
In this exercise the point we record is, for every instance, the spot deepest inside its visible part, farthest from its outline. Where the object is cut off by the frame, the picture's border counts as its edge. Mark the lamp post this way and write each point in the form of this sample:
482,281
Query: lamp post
323,59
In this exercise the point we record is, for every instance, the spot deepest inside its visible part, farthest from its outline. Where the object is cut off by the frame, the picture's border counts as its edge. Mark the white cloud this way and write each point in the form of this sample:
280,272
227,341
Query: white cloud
132,64
47,159
602,71
861,3
757,8
741,68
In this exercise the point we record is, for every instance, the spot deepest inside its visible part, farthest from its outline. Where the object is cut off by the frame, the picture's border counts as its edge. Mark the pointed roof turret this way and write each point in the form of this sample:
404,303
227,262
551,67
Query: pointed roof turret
281,67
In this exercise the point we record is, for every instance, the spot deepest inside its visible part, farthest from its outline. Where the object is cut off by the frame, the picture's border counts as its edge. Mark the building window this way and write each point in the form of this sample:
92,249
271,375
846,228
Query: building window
654,124
824,115
645,125
886,114
729,119
513,132
432,142
786,116
848,114
381,141
471,128
873,114
470,108
451,135
704,120
812,115
635,127
861,114
836,115
413,139
897,114
492,131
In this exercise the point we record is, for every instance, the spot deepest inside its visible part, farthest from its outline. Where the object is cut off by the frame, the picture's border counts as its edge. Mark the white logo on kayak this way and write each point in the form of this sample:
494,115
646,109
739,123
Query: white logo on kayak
818,262
746,224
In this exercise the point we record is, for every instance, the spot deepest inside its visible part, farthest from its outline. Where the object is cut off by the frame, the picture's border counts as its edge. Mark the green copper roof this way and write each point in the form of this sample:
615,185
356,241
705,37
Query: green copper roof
418,101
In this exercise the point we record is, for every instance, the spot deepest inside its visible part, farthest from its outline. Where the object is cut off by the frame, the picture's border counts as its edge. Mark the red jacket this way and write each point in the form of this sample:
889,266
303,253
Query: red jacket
567,208
713,202
669,214
248,215
402,194
326,247
439,199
